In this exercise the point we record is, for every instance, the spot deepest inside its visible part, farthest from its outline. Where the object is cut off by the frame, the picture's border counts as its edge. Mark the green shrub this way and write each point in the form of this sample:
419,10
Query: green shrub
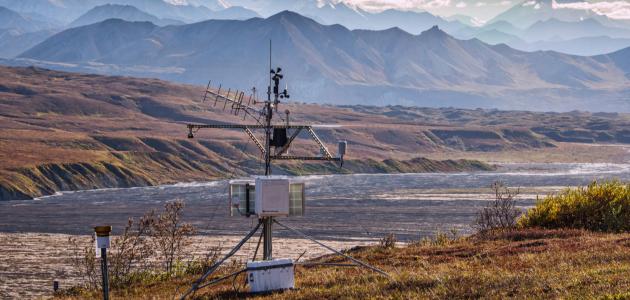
598,207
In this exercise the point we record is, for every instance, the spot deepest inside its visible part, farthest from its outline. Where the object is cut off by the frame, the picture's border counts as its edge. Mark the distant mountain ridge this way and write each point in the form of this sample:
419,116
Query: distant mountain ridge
63,11
66,11
554,28
528,12
28,22
19,32
331,64
115,11
586,37
528,25
10,19
337,12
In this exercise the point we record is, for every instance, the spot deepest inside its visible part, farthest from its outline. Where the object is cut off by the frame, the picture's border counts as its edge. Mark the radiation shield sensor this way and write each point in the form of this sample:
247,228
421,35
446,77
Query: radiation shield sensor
267,196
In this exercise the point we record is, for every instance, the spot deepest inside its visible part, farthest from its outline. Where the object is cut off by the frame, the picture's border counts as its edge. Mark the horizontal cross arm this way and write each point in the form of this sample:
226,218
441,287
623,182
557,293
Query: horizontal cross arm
289,157
237,126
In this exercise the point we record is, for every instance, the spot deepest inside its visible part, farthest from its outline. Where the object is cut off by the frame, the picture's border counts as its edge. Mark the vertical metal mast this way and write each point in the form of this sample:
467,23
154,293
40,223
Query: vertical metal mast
268,221
268,116
263,116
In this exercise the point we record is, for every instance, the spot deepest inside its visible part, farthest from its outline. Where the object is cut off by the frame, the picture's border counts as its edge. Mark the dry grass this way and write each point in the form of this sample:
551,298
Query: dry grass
539,264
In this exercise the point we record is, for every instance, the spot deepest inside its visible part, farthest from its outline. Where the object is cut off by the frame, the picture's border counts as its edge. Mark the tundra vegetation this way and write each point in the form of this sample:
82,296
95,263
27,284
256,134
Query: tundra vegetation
574,244
598,207
83,131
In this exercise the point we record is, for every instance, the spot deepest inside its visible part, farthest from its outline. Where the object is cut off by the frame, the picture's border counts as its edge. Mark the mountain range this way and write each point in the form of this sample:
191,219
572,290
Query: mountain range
528,12
530,25
332,64
67,11
586,37
352,17
23,24
131,13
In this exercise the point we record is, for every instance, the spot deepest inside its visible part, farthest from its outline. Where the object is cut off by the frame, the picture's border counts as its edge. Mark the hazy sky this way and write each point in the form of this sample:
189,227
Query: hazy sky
486,9
480,9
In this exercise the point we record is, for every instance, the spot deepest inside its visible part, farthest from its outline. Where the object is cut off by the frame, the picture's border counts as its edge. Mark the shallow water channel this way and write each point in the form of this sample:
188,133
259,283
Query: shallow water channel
338,207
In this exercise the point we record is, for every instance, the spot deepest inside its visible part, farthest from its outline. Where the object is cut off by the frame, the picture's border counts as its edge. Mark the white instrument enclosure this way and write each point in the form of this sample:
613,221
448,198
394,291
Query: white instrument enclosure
270,275
278,199
272,197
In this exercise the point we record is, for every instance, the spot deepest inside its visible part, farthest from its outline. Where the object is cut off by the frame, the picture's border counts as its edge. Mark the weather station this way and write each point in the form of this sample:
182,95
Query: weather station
267,197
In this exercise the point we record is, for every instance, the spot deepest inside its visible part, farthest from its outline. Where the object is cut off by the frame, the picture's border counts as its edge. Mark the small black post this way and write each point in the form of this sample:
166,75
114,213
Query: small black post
104,272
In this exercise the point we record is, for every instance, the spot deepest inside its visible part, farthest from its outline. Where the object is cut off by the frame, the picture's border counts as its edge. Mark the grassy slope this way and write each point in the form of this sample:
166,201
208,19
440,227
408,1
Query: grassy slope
539,264
61,131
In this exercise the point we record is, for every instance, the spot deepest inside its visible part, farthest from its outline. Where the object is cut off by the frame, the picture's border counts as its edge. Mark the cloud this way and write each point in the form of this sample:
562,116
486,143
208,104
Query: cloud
612,9
437,3
377,5
380,5
529,3
177,2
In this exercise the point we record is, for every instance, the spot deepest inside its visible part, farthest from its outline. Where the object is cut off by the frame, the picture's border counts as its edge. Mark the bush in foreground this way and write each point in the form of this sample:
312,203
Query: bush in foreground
598,207
149,250
500,213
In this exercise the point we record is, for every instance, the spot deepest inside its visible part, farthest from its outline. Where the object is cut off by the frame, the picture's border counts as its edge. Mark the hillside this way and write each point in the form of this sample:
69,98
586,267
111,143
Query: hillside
86,131
346,67
63,131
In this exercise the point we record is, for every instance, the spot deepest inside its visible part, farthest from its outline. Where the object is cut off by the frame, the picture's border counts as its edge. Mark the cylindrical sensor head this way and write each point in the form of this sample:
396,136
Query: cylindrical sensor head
102,236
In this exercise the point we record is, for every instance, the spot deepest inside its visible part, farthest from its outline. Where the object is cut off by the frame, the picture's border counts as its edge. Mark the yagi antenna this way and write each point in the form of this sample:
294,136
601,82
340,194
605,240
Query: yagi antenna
235,100
279,136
